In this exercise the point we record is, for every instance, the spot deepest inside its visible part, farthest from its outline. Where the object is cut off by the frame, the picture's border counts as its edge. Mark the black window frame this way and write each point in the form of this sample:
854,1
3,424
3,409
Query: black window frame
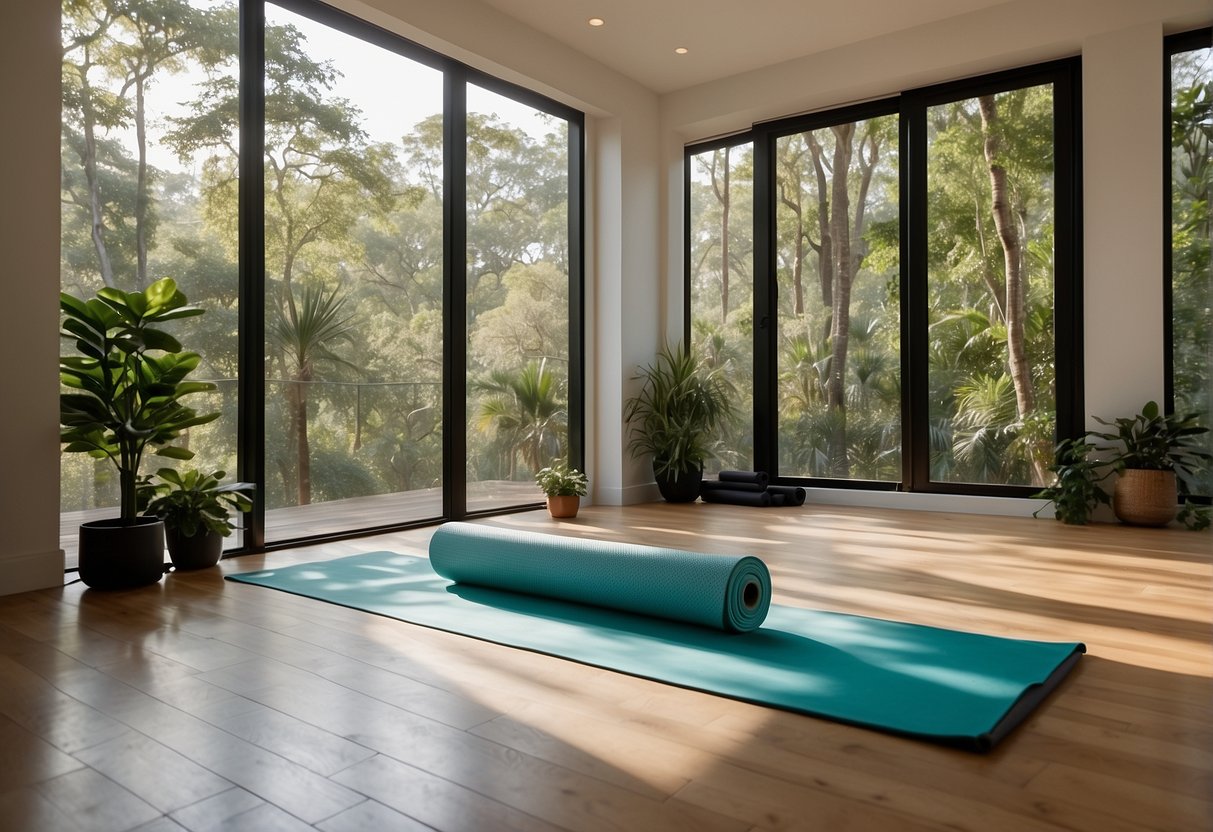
911,108
1172,45
456,76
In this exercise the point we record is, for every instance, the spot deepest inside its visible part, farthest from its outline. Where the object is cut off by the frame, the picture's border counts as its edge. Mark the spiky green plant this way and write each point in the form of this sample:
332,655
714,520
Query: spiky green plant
680,405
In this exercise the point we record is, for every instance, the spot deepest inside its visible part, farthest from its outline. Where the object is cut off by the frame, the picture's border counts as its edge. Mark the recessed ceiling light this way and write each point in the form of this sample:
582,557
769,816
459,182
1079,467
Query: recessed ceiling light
681,50
596,21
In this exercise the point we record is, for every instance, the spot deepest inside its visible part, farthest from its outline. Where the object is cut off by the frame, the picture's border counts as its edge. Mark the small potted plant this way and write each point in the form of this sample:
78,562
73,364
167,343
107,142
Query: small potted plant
196,510
680,405
564,486
1148,451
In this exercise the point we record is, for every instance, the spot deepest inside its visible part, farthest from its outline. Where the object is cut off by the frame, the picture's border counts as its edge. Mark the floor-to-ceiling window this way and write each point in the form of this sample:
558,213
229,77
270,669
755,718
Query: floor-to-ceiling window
837,287
720,280
991,227
138,199
517,296
1188,129
359,250
915,285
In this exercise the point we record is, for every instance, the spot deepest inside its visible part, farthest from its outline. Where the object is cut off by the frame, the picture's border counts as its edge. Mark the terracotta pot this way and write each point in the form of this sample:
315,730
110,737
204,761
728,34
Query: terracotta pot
564,506
1145,498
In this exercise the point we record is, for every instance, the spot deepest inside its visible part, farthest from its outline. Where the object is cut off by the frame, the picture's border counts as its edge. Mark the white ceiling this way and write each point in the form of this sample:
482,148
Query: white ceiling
724,37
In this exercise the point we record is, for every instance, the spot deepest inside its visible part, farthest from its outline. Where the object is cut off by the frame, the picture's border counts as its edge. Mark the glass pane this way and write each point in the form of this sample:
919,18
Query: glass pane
143,199
517,298
837,276
1191,277
353,237
722,286
990,288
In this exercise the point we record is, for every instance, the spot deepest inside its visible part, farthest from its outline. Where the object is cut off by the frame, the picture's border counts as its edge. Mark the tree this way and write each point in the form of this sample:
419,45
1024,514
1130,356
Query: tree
525,412
112,53
844,160
306,333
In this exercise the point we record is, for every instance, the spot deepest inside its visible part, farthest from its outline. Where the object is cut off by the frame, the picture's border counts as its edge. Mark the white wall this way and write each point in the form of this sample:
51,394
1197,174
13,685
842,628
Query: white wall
29,239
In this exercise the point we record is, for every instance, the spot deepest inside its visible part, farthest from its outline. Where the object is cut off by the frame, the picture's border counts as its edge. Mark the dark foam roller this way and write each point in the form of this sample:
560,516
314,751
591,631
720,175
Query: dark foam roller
760,477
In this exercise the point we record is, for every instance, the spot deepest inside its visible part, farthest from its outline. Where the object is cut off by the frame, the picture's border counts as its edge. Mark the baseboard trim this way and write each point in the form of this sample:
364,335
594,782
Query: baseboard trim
34,570
628,496
955,503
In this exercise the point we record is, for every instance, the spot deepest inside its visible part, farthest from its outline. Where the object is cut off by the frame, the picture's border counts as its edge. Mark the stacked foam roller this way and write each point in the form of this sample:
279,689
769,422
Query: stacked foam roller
749,488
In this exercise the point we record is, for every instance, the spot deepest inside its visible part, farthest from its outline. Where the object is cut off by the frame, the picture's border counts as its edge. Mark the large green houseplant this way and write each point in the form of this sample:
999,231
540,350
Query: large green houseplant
673,418
1157,458
123,398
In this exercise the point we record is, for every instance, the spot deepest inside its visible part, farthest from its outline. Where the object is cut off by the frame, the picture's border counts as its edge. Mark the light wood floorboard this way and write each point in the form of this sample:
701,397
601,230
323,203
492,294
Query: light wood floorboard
200,704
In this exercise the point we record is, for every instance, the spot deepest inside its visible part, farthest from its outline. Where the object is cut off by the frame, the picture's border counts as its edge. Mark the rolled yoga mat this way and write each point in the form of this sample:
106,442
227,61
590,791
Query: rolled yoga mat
727,592
793,495
759,477
736,498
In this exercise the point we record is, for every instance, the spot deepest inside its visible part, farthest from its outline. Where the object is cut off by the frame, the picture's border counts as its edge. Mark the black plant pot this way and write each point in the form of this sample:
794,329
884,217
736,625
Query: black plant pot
679,486
198,551
121,555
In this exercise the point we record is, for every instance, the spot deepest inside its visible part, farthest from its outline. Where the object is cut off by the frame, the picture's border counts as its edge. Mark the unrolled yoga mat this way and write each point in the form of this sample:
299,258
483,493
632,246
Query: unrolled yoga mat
941,685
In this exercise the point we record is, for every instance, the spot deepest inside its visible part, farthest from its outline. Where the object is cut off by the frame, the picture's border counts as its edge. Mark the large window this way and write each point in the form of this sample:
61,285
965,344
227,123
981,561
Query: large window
137,194
837,282
720,280
518,277
1189,278
990,273
914,286
407,270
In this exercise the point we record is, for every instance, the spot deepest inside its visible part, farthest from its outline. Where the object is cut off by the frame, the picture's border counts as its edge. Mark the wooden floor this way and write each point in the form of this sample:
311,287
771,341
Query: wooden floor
201,704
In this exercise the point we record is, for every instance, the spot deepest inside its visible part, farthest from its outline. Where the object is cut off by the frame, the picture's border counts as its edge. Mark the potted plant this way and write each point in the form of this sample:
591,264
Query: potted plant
1148,451
196,510
564,486
1076,492
680,405
124,394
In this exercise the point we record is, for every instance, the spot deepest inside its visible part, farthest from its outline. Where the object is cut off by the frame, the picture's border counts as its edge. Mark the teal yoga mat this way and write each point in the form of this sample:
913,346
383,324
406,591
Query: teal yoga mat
729,592
941,685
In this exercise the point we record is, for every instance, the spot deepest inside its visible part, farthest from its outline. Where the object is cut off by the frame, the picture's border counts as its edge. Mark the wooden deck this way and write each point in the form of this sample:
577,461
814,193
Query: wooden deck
338,516
200,704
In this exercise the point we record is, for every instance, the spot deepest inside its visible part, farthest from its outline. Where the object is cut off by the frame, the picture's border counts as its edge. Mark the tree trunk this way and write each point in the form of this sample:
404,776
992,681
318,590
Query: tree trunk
723,197
825,252
1016,284
840,231
303,453
89,162
141,195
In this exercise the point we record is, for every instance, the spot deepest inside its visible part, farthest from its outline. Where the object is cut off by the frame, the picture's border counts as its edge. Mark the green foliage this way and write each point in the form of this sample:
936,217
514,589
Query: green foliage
680,405
130,377
524,412
561,480
1155,441
1194,516
192,501
1076,491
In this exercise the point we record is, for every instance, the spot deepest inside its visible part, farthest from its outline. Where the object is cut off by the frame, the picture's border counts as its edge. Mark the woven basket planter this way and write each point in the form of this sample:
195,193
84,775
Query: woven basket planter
1145,498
